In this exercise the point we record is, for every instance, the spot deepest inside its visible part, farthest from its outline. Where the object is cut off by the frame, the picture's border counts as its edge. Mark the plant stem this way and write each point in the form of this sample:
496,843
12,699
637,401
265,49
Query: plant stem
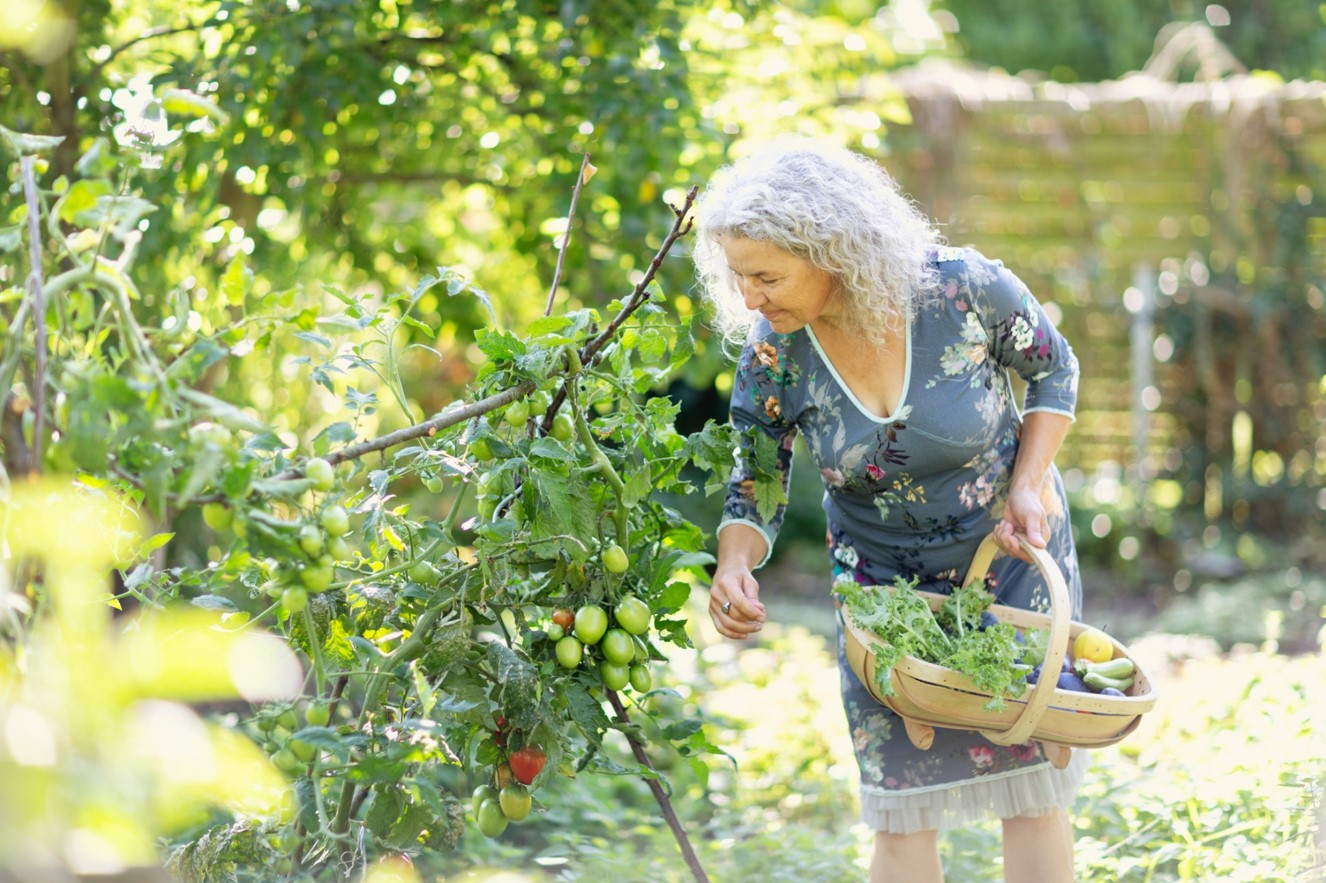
664,802
36,291
584,176
315,650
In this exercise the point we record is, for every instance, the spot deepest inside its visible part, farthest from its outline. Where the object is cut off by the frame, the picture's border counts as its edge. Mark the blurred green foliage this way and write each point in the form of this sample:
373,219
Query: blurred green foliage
1091,40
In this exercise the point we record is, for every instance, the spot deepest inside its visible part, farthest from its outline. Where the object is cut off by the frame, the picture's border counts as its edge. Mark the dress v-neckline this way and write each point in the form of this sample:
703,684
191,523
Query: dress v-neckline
900,408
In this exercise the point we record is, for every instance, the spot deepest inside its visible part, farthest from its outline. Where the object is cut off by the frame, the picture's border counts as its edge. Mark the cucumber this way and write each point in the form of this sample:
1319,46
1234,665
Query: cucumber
1098,682
1122,667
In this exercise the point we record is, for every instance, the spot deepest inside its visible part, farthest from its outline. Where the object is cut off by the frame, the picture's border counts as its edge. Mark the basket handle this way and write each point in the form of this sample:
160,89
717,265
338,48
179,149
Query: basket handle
1060,624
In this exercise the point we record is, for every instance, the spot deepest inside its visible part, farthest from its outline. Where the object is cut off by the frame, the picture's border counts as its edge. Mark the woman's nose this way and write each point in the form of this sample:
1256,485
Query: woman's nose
751,293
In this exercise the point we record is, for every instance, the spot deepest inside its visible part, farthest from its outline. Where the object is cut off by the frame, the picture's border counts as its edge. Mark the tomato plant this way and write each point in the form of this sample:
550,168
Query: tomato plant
472,529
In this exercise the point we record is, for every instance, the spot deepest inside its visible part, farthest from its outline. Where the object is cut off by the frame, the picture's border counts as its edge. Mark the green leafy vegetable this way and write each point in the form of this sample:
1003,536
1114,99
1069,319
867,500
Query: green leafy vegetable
952,637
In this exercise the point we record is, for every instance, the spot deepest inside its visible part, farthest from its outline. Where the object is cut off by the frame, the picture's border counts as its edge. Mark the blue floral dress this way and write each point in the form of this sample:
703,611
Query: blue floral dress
913,494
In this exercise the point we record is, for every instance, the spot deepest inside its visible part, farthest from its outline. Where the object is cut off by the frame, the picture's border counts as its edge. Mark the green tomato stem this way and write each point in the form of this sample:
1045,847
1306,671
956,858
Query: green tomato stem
604,466
315,650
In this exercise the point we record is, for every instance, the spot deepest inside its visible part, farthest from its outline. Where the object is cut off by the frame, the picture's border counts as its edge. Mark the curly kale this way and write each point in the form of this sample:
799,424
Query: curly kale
959,636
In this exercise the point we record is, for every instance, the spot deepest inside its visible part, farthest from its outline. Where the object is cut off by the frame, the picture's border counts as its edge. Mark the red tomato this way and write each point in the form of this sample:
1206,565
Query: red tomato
527,763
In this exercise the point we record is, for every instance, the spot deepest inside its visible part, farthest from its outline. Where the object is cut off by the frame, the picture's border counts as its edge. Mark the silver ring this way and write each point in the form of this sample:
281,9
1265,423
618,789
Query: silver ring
726,608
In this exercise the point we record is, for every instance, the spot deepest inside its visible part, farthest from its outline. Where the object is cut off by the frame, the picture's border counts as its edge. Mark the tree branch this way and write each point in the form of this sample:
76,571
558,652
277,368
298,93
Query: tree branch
664,802
433,426
94,72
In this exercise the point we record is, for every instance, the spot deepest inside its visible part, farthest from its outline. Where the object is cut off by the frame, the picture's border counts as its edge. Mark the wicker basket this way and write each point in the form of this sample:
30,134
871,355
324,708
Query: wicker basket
928,696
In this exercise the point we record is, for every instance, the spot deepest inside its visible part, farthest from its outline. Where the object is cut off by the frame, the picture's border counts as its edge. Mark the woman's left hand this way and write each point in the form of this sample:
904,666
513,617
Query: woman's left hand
1024,513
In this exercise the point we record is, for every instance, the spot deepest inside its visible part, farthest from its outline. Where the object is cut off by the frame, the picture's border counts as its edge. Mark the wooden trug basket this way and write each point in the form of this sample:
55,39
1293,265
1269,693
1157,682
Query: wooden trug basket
928,696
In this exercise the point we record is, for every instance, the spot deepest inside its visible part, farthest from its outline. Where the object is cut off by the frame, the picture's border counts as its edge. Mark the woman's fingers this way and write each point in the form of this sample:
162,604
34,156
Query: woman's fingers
734,605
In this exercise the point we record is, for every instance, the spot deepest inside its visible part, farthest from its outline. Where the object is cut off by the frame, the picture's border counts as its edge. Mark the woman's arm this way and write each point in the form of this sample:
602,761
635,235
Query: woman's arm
740,548
1024,510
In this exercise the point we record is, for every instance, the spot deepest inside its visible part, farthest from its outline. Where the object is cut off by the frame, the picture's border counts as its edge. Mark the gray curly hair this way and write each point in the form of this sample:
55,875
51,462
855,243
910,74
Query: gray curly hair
836,208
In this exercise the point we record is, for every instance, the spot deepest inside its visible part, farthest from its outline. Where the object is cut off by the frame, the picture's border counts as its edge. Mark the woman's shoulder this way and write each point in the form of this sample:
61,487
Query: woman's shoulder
958,259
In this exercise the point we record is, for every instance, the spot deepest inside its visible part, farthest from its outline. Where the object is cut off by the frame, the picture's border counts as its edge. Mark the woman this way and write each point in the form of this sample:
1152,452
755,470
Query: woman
890,354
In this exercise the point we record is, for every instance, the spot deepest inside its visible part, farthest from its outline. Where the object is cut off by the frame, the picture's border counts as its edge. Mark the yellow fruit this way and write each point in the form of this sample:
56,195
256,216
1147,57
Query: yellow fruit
1093,645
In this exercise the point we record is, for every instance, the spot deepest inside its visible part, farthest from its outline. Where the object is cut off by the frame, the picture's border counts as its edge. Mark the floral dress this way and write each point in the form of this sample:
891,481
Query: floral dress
913,494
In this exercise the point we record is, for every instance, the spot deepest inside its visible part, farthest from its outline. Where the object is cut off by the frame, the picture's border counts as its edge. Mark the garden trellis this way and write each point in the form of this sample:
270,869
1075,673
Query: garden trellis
1177,231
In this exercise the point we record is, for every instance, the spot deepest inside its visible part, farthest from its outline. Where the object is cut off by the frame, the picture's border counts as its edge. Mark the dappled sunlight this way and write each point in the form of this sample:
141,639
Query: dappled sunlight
98,762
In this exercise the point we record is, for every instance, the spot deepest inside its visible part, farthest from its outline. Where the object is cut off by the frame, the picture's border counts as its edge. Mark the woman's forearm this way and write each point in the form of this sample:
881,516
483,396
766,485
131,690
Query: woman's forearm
1043,432
741,546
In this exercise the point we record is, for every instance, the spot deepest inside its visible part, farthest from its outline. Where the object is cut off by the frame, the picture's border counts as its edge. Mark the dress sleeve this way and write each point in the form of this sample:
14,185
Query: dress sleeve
757,411
1022,338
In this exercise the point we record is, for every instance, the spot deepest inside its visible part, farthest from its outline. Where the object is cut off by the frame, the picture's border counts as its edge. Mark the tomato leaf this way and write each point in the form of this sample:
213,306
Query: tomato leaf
587,713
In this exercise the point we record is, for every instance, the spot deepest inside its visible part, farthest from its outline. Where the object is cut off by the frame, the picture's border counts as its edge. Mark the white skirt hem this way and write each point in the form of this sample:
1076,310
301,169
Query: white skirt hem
1031,792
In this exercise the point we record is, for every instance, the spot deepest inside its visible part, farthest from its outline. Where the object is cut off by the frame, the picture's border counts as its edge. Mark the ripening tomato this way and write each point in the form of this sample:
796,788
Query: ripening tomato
527,763
564,617
515,801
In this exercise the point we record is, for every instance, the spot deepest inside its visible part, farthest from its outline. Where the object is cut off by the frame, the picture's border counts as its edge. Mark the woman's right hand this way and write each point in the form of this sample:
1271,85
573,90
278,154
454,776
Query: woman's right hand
736,588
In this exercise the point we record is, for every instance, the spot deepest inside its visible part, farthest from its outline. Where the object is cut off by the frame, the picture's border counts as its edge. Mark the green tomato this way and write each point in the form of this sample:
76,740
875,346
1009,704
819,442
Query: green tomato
335,520
302,750
481,449
642,680
288,719
286,761
517,414
569,650
633,615
311,540
218,516
538,403
615,559
318,714
482,793
563,427
492,821
515,801
422,572
591,623
321,473
488,507
294,598
615,677
617,646
289,840
317,576
338,549
554,632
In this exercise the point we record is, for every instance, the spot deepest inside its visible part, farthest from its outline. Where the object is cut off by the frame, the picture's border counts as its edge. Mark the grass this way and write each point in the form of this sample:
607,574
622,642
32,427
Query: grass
1222,781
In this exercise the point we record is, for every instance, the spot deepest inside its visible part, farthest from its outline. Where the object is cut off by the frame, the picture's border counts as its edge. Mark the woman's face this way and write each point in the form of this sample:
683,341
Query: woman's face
790,292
